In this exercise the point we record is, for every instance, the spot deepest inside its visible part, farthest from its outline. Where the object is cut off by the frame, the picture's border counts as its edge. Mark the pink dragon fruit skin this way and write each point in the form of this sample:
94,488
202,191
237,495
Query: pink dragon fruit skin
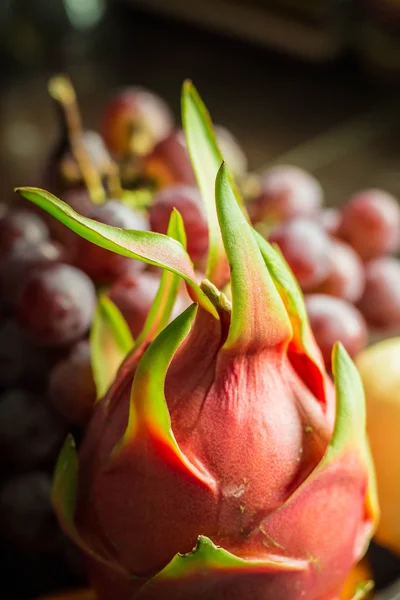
222,463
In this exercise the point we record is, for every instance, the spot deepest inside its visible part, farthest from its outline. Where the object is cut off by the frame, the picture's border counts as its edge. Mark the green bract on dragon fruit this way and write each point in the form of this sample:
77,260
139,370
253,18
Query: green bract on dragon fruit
222,463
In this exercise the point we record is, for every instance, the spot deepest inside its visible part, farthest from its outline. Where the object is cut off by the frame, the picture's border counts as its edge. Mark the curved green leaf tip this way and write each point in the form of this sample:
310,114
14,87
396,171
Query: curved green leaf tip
64,486
350,425
259,318
164,301
292,296
149,247
64,495
206,160
207,557
148,402
110,343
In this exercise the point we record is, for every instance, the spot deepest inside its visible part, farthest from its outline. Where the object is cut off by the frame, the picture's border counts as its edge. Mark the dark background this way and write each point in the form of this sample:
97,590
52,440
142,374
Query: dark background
337,118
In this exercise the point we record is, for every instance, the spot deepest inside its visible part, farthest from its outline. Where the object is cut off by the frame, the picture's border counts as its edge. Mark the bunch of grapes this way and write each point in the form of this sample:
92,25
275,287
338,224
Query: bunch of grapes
344,259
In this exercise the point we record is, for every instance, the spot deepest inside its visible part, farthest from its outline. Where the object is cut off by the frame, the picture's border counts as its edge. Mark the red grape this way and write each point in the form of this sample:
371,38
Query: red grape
102,265
27,521
380,303
134,295
21,225
371,223
169,162
71,387
332,320
306,248
346,277
231,151
16,264
286,192
187,200
135,121
56,304
30,433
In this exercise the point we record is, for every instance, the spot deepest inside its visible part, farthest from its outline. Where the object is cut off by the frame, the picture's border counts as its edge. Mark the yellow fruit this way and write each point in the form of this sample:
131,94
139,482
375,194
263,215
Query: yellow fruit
379,366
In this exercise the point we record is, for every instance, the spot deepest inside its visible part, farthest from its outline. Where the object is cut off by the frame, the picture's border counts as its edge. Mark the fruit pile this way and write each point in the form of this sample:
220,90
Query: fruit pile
344,259
50,279
132,176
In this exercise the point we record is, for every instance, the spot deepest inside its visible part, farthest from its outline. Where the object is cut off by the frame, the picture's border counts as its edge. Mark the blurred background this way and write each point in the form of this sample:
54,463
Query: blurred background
312,83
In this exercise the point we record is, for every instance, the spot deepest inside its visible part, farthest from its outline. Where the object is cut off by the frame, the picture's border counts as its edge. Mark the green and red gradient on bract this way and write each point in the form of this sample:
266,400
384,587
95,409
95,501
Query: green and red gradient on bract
222,462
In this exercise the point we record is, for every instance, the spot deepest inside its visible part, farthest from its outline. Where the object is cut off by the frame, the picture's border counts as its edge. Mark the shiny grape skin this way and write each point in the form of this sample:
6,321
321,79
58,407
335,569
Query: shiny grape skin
380,303
333,319
104,266
21,225
31,434
19,261
72,390
346,278
306,248
329,219
187,200
287,192
56,304
370,223
169,162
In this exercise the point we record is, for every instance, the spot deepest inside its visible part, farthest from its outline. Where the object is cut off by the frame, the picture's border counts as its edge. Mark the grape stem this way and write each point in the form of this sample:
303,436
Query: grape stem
62,91
114,181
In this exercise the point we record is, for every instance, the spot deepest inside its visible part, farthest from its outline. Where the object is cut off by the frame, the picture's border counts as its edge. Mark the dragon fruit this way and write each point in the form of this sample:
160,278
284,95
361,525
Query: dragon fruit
222,463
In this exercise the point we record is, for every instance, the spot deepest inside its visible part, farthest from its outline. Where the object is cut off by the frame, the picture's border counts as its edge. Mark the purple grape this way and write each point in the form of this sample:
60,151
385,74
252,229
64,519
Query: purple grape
21,225
332,320
71,386
380,303
102,265
371,223
306,248
56,304
27,520
30,433
20,361
187,200
22,258
286,192
346,277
